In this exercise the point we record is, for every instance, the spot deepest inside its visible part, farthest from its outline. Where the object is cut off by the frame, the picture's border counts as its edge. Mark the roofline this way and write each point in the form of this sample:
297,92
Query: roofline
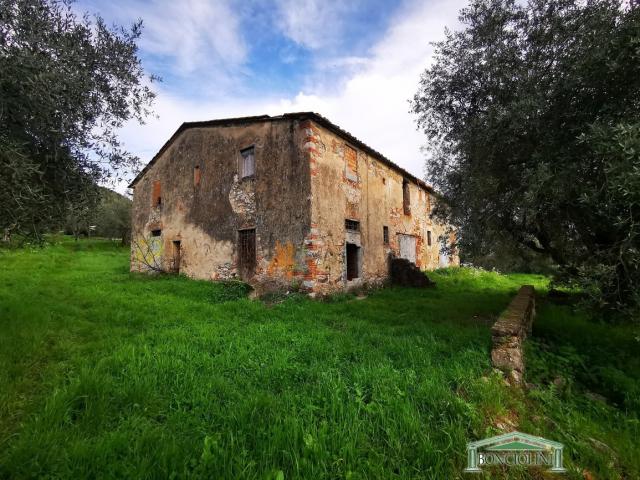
319,119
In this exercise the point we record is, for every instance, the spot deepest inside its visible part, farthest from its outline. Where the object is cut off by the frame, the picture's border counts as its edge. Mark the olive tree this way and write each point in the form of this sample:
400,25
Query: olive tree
67,84
531,112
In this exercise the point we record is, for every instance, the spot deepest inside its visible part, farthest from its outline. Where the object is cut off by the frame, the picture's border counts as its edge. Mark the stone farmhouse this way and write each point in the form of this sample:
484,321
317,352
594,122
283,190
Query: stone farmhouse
289,199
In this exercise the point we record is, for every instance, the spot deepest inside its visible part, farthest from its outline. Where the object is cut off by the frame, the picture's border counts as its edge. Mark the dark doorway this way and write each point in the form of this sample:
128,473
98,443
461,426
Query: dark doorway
176,256
352,261
247,253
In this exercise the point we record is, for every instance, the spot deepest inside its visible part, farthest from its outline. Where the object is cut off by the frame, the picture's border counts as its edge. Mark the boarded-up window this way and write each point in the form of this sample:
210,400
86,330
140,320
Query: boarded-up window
407,247
156,196
406,199
429,237
196,176
351,163
385,235
247,162
247,253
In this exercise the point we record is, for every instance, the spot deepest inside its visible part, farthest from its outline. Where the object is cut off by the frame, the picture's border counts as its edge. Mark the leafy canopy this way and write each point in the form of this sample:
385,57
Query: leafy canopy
532,116
67,84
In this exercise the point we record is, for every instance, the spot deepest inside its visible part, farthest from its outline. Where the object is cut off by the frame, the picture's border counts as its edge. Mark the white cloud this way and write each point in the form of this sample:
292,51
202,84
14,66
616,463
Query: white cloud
312,23
193,35
372,103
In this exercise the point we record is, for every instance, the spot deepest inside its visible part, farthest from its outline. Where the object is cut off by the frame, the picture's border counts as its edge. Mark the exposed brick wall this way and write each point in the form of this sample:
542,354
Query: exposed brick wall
510,331
313,244
346,183
351,167
312,147
157,193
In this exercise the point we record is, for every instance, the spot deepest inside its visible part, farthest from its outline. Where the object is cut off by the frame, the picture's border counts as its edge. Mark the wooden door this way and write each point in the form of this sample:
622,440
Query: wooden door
247,253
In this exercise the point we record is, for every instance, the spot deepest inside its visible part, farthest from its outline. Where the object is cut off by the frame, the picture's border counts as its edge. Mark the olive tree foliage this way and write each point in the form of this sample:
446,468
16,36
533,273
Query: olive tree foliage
532,116
67,84
104,213
113,216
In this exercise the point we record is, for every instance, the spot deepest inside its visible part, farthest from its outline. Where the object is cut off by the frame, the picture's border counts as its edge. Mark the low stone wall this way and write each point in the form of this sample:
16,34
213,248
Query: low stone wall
510,331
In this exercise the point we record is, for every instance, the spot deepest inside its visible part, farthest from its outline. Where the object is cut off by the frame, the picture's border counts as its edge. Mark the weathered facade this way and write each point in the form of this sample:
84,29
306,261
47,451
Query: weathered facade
291,199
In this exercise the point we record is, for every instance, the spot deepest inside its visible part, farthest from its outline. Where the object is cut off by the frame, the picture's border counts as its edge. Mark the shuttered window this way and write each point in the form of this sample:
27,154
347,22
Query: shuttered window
247,162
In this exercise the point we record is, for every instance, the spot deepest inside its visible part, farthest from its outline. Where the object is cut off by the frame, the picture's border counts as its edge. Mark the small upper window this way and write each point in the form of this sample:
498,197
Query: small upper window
156,233
156,197
352,225
196,175
429,237
351,163
247,162
385,235
406,200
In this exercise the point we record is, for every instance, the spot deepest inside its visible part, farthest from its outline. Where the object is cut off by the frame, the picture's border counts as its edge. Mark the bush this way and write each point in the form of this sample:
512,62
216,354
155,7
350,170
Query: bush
229,290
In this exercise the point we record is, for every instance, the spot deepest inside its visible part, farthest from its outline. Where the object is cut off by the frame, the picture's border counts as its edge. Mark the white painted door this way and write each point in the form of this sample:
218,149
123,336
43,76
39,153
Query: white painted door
408,247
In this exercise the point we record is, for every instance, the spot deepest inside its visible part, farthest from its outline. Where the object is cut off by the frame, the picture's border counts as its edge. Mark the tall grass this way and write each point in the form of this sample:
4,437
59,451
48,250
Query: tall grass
109,374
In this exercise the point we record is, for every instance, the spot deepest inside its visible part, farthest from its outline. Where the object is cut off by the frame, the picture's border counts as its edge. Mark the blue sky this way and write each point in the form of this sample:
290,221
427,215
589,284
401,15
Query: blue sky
356,62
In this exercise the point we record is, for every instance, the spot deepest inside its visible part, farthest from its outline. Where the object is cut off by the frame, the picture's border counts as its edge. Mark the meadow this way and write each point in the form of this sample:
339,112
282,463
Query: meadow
108,374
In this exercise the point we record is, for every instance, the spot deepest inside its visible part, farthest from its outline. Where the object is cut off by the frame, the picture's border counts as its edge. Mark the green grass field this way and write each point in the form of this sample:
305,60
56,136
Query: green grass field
107,374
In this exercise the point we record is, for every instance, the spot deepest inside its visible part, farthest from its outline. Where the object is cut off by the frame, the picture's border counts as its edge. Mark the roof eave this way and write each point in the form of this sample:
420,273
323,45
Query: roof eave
325,122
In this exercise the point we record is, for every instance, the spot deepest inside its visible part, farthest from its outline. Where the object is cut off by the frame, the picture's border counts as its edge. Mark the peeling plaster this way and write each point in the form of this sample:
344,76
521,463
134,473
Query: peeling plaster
297,201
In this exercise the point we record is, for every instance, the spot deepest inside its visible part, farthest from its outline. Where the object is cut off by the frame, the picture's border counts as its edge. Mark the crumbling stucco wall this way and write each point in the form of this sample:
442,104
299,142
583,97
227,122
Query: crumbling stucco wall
374,198
308,180
205,218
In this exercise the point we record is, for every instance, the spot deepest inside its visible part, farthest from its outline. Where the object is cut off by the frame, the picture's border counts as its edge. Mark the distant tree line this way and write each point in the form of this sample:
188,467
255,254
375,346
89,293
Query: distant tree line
107,215
67,84
532,115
